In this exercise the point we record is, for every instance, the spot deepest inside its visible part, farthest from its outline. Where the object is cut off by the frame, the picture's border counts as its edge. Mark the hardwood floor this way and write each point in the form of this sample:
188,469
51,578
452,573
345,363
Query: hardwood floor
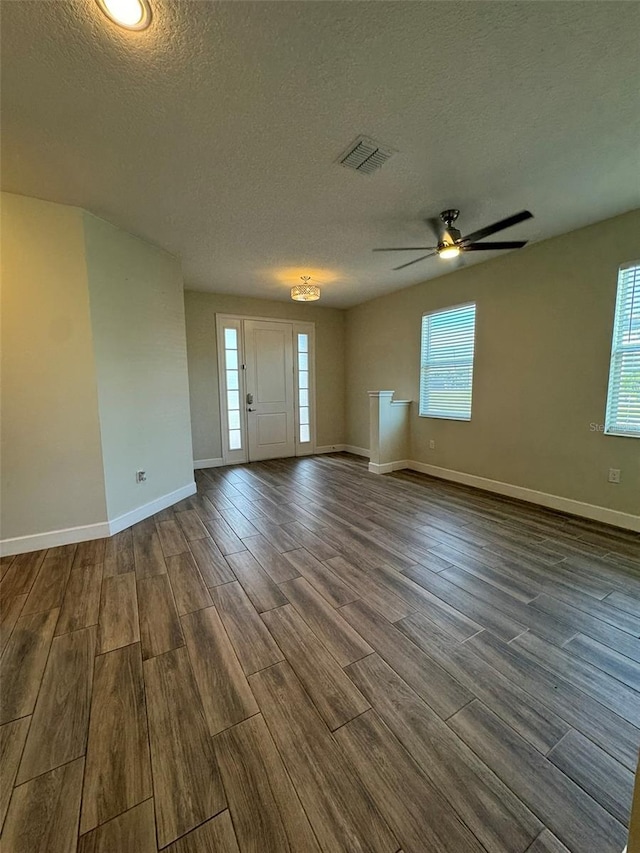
307,657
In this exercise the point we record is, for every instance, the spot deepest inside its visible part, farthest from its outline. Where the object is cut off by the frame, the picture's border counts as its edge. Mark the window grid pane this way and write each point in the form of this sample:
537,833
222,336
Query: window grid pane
304,428
232,376
446,368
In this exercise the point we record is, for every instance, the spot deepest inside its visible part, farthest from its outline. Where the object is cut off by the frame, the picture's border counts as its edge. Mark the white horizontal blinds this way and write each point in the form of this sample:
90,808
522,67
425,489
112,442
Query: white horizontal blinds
623,398
446,368
304,428
232,381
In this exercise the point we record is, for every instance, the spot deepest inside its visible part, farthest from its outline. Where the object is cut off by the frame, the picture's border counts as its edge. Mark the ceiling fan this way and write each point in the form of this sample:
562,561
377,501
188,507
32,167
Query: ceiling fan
451,242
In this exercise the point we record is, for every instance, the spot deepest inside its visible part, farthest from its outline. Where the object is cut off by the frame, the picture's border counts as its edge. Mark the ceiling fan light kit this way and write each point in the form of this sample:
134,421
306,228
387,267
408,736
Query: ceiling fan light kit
451,243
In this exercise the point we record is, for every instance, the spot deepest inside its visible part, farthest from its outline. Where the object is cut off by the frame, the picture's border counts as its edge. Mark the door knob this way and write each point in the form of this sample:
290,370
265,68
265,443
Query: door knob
251,410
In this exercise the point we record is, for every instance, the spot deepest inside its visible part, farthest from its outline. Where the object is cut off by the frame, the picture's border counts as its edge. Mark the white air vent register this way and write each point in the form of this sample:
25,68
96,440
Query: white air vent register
365,155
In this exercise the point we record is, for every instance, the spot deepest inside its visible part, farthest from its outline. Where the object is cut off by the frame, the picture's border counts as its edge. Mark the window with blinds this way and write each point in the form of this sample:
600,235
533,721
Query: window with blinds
623,397
446,363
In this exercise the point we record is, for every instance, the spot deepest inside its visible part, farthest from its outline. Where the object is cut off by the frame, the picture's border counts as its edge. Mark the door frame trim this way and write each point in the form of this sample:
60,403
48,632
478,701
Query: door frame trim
234,457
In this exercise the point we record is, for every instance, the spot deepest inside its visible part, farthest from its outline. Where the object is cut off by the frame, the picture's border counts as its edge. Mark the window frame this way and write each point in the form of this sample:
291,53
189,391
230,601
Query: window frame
423,361
615,372
305,448
240,455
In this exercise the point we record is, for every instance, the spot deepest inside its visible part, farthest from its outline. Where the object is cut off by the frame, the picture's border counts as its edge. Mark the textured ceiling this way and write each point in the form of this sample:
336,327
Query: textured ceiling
215,133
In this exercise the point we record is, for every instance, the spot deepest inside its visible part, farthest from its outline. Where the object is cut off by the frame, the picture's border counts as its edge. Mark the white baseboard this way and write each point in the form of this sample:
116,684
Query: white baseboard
70,535
52,538
324,448
387,467
218,462
151,508
568,505
357,451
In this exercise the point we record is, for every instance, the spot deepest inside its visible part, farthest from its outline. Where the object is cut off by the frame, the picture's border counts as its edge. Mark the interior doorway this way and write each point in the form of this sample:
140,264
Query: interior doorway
267,388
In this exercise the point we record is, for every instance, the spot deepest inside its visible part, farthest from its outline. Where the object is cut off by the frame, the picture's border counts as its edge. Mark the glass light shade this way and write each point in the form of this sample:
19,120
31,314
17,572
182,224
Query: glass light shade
130,14
305,292
449,252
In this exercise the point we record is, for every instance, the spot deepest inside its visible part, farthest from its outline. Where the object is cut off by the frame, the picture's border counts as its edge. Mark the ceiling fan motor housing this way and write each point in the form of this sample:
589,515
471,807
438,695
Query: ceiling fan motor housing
449,216
451,234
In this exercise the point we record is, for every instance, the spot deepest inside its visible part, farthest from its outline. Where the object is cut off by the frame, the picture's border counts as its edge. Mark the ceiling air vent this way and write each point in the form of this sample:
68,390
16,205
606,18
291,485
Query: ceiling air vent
365,156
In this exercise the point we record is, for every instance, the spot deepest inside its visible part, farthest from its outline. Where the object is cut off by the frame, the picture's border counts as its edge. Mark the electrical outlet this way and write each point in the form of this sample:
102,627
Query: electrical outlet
432,445
614,475
141,476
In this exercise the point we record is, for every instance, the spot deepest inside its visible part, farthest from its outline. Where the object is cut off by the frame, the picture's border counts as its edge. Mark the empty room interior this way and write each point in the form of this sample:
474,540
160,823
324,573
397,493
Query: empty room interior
320,426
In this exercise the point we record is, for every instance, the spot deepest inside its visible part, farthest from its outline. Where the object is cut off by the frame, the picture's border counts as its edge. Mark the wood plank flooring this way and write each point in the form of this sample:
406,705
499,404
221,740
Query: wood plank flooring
306,657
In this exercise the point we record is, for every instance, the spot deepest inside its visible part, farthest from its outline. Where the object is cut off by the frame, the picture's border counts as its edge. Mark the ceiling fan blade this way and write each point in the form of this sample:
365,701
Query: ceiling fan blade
405,249
497,226
490,247
424,257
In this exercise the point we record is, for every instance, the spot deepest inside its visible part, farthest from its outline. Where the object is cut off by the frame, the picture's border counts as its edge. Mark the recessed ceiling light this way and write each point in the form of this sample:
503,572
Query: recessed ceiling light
130,14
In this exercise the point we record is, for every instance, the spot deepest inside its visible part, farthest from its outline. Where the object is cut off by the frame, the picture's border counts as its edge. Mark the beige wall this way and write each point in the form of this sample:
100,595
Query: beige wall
51,453
543,340
201,310
137,312
94,373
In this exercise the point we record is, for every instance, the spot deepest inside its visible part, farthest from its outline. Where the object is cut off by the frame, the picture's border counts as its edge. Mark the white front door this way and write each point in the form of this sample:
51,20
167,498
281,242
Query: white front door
269,385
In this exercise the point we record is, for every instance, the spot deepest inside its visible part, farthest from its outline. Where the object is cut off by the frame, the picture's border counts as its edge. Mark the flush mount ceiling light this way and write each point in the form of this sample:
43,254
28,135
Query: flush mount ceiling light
130,14
305,292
